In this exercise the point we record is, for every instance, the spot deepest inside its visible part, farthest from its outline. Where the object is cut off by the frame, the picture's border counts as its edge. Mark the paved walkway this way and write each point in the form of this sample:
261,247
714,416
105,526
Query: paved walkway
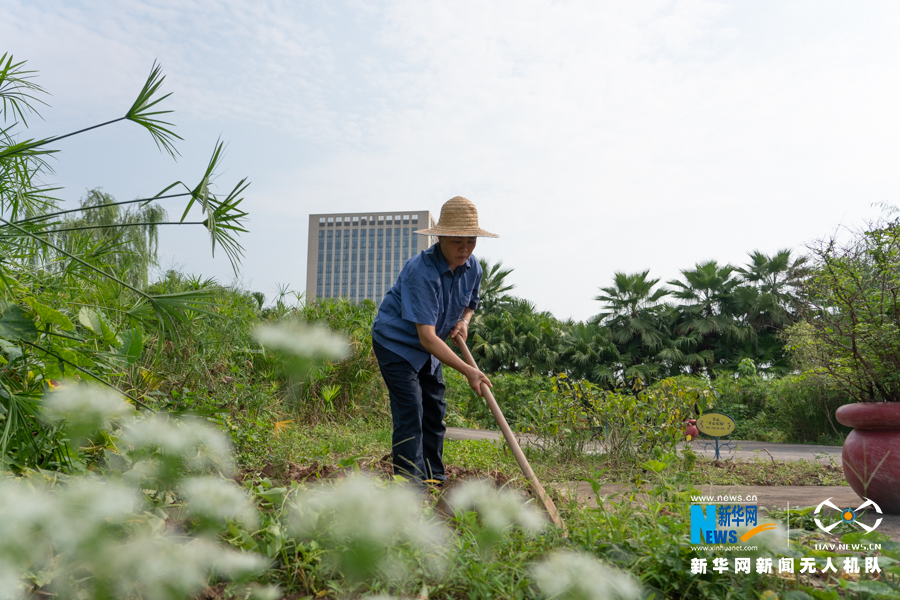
768,496
741,449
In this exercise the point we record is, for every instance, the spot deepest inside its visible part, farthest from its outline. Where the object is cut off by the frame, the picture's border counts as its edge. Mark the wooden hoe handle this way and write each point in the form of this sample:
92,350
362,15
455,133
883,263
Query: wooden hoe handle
514,443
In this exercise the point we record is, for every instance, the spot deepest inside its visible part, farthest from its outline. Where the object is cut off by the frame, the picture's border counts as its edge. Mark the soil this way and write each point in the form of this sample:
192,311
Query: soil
379,468
759,473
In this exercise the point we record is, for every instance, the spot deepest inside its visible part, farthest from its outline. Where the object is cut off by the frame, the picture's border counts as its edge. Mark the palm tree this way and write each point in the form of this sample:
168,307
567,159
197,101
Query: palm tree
493,285
775,279
588,352
704,317
633,308
766,304
635,317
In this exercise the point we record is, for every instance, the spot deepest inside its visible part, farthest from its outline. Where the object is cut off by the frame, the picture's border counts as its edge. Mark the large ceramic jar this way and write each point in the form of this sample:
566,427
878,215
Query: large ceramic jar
871,453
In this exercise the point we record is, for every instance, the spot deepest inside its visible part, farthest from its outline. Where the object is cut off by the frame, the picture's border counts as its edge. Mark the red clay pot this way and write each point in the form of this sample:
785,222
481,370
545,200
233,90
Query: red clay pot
690,428
875,438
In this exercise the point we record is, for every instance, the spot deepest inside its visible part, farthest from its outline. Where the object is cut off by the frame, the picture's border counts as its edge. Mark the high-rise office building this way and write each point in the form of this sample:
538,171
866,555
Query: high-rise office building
359,255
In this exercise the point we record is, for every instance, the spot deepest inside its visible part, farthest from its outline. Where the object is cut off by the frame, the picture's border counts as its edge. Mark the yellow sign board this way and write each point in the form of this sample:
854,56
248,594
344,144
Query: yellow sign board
715,424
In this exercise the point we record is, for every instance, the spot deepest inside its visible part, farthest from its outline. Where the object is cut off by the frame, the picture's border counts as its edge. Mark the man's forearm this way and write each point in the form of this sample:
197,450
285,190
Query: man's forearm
439,348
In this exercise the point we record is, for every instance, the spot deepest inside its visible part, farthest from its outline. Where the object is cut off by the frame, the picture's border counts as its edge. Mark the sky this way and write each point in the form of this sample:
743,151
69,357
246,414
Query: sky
595,137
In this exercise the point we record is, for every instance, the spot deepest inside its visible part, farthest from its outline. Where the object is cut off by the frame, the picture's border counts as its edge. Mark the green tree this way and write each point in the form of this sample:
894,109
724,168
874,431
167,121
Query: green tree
518,339
851,328
493,286
704,317
133,231
588,352
635,315
776,279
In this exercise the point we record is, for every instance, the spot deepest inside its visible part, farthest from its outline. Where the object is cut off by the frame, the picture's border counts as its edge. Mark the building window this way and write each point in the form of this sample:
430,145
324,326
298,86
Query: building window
415,241
406,219
415,219
362,246
389,220
356,220
406,242
321,221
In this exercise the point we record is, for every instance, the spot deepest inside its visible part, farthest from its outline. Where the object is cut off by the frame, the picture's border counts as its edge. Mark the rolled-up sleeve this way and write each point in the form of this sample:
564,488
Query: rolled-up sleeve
419,300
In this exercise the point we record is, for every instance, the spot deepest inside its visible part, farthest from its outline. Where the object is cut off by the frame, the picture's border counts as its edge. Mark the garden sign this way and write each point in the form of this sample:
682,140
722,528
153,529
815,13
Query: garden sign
716,425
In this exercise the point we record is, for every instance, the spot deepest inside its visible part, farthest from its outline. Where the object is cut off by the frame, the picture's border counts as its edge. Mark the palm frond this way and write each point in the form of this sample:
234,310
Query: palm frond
17,91
141,114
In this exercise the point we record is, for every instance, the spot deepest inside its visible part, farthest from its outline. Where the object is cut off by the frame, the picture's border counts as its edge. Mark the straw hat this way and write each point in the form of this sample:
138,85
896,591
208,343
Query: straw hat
459,218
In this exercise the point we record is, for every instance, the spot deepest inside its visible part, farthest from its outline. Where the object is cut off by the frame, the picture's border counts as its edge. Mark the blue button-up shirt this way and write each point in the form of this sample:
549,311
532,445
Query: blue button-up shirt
429,293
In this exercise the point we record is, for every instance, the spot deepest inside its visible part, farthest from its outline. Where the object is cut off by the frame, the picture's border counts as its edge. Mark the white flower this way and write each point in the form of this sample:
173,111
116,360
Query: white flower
498,508
309,341
161,568
85,408
11,585
85,506
567,575
217,499
362,522
774,540
198,445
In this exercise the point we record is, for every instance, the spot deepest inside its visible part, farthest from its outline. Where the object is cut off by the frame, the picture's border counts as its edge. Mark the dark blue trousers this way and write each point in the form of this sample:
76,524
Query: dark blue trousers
418,409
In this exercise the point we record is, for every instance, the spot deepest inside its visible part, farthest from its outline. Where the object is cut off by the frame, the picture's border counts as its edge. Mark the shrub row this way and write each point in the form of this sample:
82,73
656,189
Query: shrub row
793,409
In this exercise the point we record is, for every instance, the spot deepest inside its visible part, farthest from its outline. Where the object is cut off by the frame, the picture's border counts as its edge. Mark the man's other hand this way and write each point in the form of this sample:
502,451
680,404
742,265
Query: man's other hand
476,379
460,329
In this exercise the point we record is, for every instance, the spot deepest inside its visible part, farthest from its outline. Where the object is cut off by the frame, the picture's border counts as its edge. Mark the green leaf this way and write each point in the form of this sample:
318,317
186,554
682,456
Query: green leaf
10,349
877,588
15,325
93,321
655,466
132,345
50,315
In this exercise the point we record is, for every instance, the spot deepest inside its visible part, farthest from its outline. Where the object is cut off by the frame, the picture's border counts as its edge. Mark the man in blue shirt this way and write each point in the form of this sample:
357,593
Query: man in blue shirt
434,297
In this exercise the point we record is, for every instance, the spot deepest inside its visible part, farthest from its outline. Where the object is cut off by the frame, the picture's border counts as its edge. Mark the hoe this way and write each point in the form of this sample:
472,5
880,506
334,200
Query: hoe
513,443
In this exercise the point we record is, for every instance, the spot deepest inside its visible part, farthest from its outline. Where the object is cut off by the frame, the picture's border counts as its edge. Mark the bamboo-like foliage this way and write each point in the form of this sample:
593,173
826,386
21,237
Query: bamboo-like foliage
74,285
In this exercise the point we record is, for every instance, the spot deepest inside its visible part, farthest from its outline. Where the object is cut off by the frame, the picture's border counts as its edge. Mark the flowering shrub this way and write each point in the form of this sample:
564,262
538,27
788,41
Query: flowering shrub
87,536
